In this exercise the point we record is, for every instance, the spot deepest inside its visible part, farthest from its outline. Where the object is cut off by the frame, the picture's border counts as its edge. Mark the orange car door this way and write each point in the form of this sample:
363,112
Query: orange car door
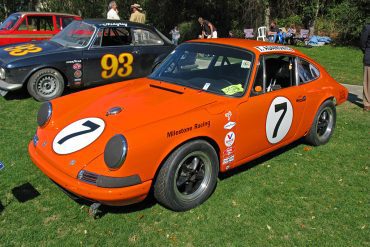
274,110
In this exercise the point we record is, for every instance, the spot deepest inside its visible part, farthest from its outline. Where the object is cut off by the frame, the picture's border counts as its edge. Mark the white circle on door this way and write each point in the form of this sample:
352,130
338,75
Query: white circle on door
78,135
279,119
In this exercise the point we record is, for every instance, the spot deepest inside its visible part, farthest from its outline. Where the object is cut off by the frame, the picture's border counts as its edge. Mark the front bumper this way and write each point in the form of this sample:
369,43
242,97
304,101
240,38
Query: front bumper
9,86
108,196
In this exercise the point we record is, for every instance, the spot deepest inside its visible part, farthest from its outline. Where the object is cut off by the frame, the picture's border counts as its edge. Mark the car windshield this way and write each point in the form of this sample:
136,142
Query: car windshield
213,68
10,22
77,35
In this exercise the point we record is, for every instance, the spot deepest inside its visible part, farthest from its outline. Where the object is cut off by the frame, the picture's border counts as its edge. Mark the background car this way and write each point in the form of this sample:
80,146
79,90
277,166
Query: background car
85,53
31,26
211,106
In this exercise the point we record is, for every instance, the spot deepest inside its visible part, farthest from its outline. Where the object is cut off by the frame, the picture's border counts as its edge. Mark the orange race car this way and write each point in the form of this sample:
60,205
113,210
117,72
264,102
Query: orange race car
212,105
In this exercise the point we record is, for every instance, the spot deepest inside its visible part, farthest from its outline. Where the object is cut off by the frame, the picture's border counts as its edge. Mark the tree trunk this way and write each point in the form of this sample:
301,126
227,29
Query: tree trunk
313,22
267,14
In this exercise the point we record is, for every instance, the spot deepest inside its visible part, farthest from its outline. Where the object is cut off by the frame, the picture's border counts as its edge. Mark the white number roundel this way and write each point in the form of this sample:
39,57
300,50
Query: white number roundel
279,119
78,135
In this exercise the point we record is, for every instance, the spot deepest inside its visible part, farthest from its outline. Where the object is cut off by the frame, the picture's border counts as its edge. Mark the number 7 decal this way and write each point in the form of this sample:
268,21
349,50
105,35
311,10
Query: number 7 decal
279,119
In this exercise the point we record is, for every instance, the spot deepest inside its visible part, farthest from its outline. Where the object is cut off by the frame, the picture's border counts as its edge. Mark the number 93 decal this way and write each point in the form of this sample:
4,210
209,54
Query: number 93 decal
279,119
112,65
78,135
22,50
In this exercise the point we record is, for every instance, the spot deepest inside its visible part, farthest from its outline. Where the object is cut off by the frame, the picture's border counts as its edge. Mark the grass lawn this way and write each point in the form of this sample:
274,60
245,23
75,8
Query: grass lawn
343,63
301,195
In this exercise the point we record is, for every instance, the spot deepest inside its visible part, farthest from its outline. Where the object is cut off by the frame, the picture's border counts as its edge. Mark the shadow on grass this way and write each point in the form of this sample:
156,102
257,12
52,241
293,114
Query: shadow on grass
17,95
25,192
2,207
354,99
249,165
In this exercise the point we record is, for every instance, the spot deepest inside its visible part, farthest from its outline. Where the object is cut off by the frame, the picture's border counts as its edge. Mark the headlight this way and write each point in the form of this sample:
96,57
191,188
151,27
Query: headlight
115,152
44,114
2,73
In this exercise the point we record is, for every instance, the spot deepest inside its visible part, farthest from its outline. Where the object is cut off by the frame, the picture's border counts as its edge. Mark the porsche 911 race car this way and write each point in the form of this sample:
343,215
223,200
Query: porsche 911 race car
86,53
211,106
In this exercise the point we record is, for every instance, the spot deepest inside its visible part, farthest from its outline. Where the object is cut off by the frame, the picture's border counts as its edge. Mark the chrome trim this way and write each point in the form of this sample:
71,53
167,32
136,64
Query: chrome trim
9,86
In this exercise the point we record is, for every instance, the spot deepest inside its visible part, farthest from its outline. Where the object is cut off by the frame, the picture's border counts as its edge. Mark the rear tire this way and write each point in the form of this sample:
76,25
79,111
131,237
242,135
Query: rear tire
45,84
323,125
188,177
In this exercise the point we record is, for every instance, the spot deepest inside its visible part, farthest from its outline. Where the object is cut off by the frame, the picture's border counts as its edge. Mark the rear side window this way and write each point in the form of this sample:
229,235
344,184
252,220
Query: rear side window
306,71
146,37
37,23
113,37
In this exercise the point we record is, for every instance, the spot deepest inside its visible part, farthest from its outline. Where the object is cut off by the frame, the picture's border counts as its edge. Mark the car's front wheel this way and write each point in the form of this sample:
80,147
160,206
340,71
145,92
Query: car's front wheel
188,176
45,84
323,125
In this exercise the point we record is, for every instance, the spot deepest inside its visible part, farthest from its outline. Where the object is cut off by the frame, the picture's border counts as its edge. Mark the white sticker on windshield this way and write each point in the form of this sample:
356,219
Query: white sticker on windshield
245,64
206,86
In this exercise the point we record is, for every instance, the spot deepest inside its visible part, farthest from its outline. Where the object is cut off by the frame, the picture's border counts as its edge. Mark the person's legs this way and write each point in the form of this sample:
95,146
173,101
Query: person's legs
366,88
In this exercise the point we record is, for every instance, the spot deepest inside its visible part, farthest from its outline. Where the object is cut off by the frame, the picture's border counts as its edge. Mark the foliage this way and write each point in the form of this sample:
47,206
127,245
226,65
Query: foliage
189,30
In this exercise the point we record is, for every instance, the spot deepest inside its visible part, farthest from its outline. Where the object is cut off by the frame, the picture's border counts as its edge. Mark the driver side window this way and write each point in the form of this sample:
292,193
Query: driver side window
274,72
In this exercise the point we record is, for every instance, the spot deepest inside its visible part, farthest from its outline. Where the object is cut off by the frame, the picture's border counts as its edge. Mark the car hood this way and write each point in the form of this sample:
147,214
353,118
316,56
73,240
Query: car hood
143,102
47,47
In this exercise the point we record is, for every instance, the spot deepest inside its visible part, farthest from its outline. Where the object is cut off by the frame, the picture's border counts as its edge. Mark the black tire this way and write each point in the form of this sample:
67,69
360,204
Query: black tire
188,176
323,125
45,84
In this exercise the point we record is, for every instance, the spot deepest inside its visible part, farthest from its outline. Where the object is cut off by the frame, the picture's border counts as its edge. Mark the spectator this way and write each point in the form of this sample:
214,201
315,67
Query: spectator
136,14
231,34
175,35
290,34
365,47
273,32
208,29
112,11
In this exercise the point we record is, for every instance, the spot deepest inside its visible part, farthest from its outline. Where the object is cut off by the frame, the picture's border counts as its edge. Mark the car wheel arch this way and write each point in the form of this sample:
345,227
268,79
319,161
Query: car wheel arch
27,78
208,139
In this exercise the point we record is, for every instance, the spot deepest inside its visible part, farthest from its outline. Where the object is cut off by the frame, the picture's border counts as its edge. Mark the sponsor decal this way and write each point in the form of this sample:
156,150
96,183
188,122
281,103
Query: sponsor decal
73,61
229,151
229,139
279,119
78,74
22,50
267,48
77,66
245,64
233,89
228,160
229,125
174,133
112,24
228,115
78,135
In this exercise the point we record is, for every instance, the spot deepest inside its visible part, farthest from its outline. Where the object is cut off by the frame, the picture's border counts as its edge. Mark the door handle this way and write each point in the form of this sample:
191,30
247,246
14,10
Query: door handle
301,99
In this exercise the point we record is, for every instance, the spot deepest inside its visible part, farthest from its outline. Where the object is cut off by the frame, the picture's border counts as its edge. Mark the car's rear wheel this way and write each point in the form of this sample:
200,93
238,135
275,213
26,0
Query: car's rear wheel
188,176
323,125
45,84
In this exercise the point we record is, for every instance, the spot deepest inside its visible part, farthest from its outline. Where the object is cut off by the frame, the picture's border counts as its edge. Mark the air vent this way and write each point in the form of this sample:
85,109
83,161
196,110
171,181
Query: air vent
166,89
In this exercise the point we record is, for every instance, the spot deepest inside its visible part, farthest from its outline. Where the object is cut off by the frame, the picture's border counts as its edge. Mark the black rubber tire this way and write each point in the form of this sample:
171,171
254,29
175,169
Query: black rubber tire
45,84
314,136
166,189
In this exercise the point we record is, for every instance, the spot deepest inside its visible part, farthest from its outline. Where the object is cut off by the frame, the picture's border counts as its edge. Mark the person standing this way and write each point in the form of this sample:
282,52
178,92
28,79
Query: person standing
112,11
208,29
365,47
175,35
136,15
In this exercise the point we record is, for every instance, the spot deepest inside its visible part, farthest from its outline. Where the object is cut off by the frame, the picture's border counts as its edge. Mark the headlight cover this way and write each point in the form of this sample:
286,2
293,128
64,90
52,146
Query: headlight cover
115,152
2,73
44,114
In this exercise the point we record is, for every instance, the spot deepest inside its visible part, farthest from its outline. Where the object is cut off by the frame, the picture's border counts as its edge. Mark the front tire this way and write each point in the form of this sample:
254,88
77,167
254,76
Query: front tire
45,84
188,176
323,125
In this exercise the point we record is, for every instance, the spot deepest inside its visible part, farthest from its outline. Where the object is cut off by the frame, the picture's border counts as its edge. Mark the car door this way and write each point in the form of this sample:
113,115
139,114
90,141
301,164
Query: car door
272,114
111,57
150,46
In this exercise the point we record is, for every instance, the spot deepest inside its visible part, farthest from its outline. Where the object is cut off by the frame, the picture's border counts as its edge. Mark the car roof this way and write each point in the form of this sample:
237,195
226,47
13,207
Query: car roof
259,47
45,13
115,23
